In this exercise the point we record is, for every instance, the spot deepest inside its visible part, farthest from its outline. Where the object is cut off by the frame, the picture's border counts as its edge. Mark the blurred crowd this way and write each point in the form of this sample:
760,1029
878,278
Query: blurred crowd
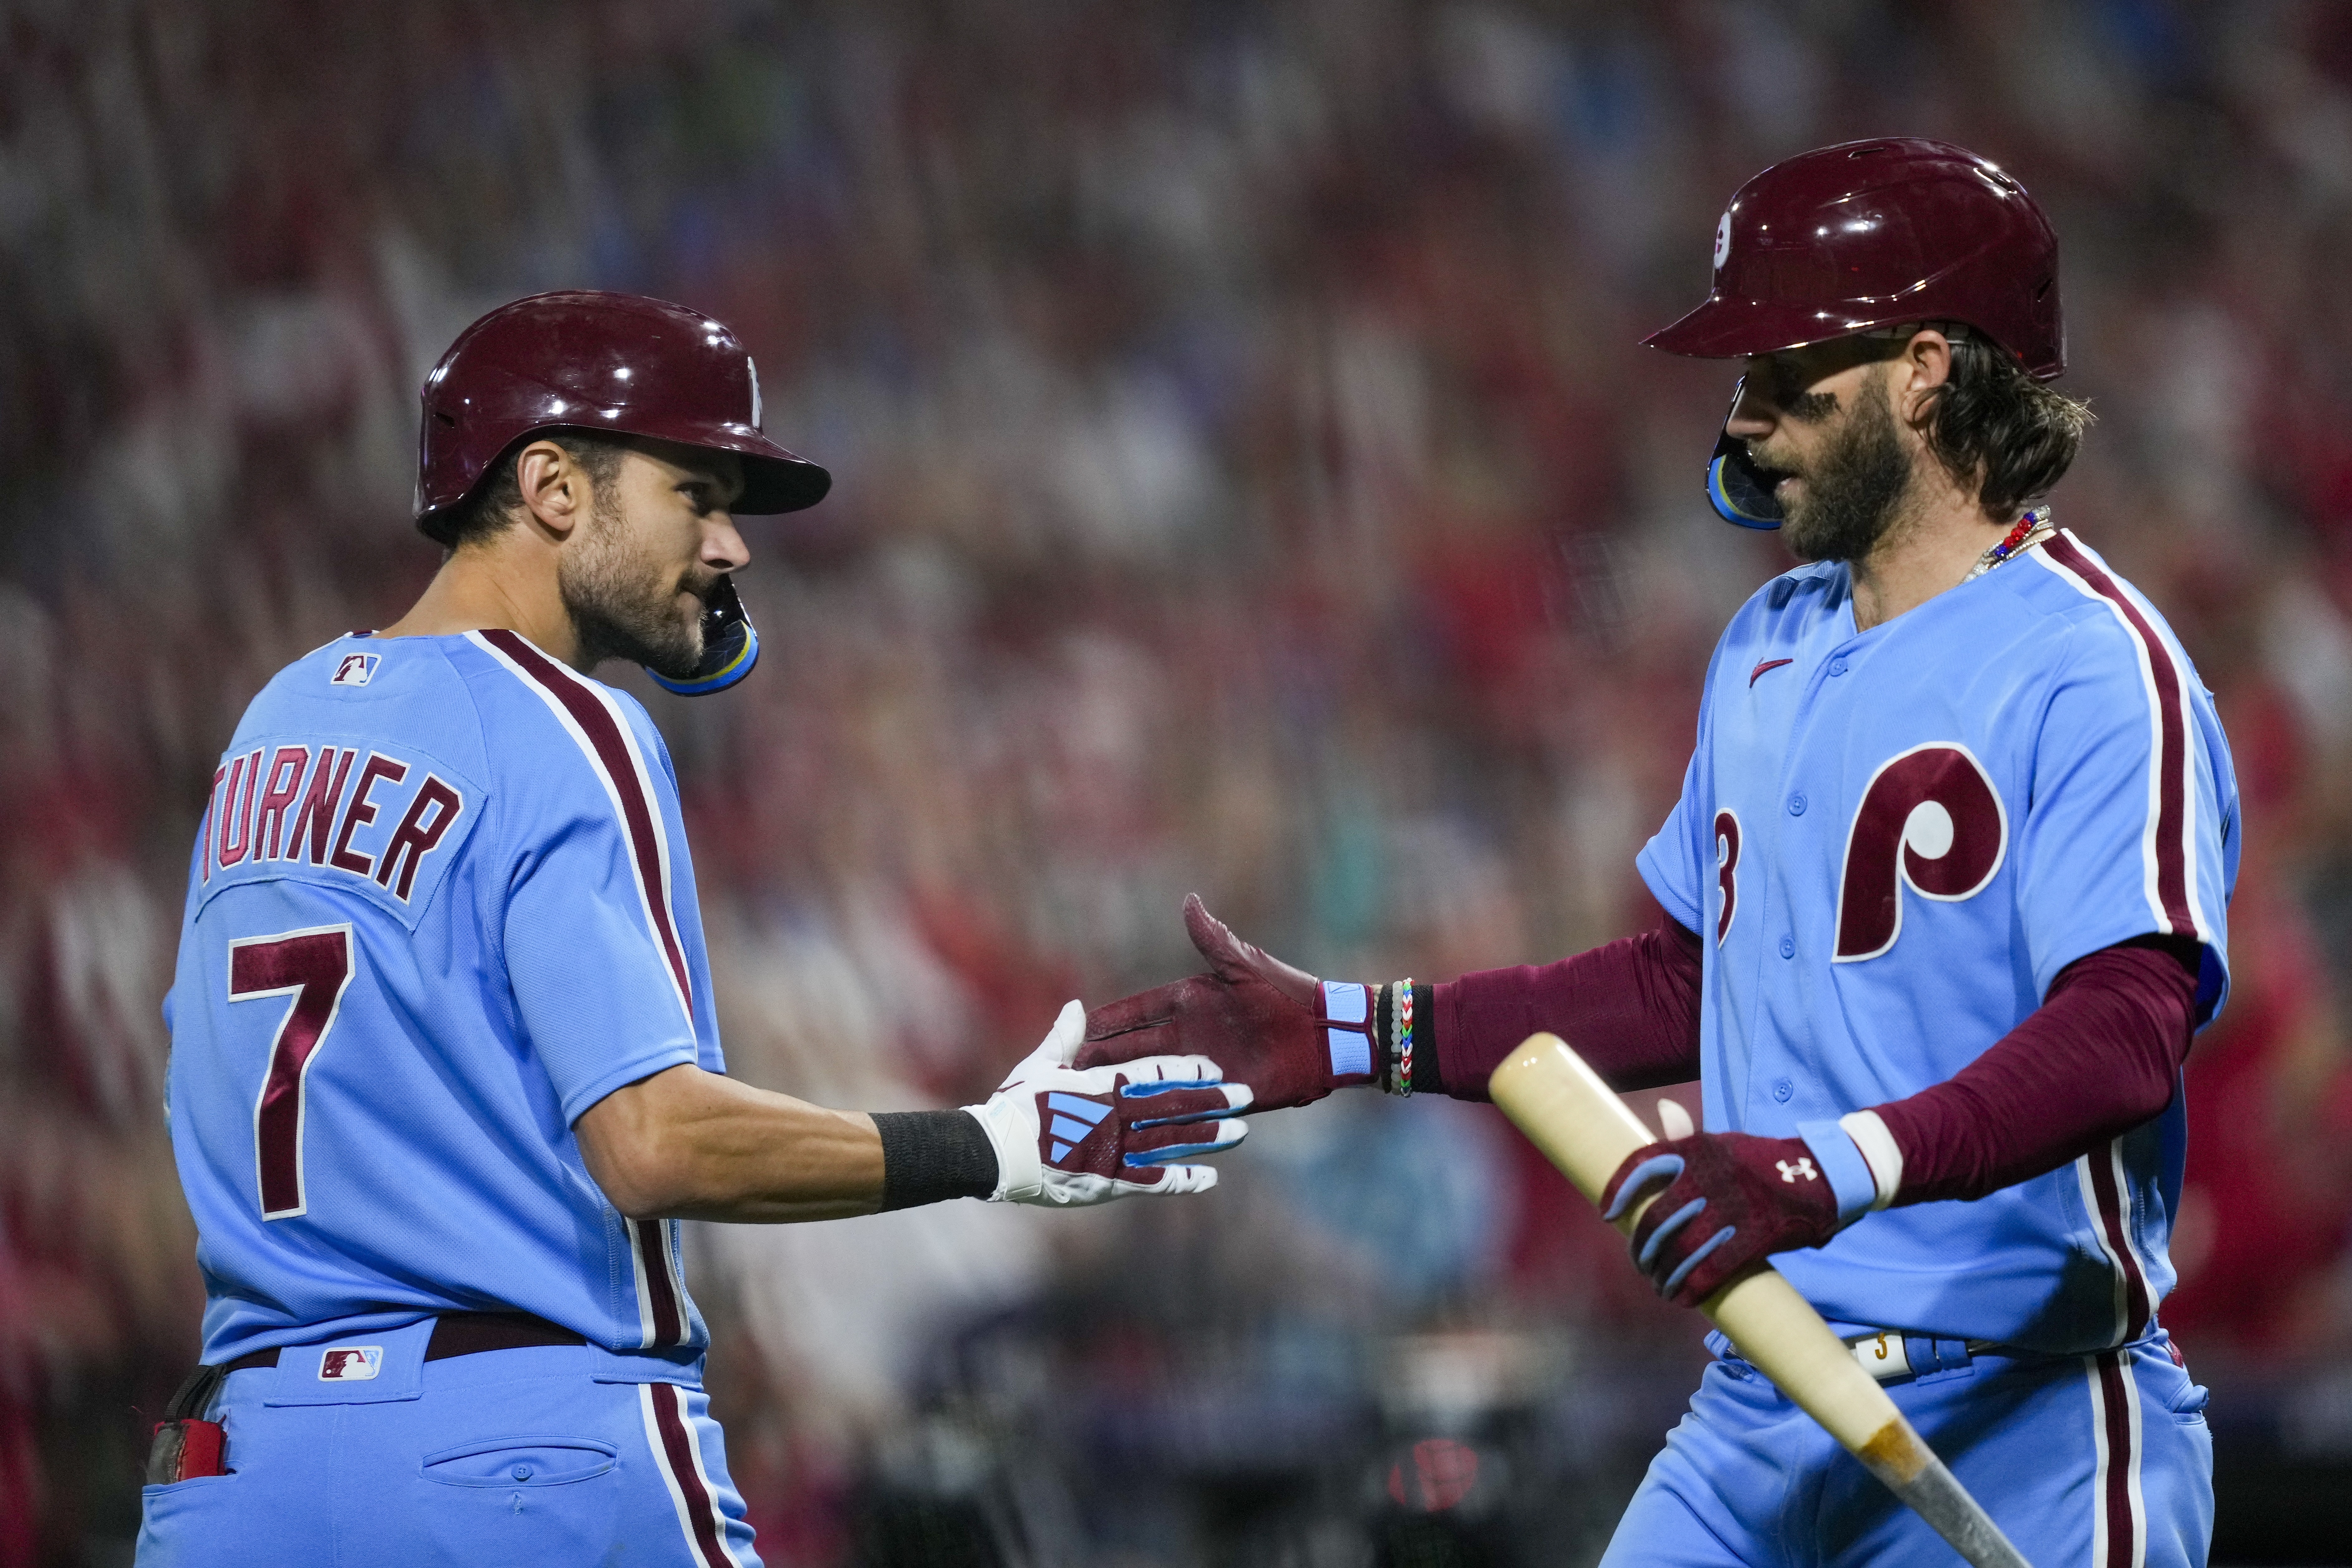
1247,481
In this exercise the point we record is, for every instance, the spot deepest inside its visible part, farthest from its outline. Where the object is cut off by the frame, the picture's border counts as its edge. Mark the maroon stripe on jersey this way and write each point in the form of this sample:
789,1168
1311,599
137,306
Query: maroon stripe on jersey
661,1284
2173,748
2113,1220
677,1451
2115,1413
603,733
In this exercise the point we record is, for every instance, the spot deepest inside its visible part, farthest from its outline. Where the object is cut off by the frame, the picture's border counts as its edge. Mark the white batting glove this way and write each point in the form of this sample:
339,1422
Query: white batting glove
1067,1136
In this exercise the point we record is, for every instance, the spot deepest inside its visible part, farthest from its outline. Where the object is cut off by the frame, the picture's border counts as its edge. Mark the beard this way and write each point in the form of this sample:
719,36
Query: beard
624,604
1855,490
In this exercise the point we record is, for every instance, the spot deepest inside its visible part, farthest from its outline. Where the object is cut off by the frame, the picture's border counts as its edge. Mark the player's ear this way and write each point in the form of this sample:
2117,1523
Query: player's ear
555,489
1924,365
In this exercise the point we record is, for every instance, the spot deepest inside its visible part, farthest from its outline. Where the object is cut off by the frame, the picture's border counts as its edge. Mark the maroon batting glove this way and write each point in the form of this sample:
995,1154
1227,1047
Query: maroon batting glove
1726,1200
1292,1037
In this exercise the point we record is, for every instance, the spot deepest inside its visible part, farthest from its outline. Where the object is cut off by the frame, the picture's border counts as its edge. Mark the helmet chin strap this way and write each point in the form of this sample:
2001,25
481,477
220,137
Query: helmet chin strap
1737,489
730,647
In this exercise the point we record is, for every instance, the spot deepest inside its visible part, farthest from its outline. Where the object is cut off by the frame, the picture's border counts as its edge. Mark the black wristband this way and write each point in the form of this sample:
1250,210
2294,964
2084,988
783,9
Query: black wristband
930,1156
1426,1079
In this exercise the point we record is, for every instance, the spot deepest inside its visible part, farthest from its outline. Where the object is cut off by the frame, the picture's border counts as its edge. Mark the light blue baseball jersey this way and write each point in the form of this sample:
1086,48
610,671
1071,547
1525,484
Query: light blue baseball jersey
440,905
1890,843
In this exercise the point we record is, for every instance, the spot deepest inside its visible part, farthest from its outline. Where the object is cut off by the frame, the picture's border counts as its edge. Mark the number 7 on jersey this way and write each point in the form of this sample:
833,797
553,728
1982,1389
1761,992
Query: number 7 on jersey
313,966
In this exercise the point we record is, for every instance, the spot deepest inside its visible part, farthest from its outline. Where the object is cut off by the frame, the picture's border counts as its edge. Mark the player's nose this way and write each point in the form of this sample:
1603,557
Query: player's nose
723,543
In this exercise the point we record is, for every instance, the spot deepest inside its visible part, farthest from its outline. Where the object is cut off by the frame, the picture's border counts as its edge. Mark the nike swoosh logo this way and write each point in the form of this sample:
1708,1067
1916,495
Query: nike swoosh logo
1767,665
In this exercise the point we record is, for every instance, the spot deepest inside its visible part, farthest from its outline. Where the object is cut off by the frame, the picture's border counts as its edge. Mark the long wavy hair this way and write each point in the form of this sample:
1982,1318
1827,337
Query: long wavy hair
1993,426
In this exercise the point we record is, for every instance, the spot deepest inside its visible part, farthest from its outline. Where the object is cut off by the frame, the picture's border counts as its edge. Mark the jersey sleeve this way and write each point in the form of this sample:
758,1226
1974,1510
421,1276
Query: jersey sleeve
2129,822
1678,861
601,988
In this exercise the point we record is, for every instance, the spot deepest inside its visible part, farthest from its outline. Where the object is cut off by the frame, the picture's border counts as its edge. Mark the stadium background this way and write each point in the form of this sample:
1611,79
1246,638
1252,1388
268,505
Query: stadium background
1247,481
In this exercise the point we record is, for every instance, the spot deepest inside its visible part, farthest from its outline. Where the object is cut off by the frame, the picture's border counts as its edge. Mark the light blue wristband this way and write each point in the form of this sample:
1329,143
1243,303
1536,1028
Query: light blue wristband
1840,1160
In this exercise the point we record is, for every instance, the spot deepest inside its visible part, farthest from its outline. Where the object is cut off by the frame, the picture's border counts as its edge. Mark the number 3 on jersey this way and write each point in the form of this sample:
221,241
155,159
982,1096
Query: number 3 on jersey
1726,868
313,966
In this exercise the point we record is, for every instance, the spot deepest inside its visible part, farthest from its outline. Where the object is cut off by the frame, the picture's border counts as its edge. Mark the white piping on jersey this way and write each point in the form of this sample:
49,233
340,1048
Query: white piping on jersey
2138,1260
2132,1472
2188,737
2122,1303
554,705
2114,1235
643,1281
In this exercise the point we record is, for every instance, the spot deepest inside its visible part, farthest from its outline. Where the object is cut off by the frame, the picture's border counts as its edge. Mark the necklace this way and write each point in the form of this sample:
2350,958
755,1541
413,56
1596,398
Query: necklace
2032,529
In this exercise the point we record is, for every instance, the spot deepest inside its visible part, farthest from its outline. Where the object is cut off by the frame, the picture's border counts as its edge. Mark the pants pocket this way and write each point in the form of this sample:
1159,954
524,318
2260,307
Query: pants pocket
2163,1383
529,1459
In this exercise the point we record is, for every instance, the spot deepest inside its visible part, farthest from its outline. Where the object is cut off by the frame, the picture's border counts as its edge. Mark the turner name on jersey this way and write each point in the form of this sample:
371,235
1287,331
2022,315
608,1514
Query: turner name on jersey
298,802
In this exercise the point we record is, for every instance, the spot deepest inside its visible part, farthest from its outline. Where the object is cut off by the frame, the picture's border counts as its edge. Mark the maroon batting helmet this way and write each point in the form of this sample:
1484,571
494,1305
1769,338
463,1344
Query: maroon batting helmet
1869,235
607,363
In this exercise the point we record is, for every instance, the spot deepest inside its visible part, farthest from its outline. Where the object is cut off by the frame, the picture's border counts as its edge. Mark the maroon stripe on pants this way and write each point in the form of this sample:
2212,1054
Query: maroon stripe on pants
678,1448
2112,1220
603,733
653,1243
2116,1411
2173,748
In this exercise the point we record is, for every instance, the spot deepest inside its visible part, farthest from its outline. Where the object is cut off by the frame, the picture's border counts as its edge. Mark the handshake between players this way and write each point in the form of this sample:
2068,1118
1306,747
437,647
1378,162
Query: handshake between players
1945,902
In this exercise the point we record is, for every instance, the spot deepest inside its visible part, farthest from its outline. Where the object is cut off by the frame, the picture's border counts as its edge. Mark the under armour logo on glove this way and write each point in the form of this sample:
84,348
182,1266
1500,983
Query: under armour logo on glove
1718,1209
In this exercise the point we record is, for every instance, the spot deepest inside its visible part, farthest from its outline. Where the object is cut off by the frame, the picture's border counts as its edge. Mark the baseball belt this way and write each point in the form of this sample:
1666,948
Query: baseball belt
1889,1354
459,1334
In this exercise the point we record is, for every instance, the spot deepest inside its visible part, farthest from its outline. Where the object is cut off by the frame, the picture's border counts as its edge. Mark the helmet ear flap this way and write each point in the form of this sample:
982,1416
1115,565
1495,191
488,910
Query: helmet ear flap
1739,490
730,647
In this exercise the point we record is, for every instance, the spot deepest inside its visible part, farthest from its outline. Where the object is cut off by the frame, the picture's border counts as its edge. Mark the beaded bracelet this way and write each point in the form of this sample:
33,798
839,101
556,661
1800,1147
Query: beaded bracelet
1400,1080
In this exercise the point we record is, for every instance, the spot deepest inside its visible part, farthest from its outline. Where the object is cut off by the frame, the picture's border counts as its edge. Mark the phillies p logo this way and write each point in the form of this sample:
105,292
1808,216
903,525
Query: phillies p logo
1931,821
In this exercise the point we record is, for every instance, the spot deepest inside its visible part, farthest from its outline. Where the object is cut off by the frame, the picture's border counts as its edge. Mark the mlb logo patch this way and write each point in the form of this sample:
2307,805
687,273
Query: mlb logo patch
355,669
350,1363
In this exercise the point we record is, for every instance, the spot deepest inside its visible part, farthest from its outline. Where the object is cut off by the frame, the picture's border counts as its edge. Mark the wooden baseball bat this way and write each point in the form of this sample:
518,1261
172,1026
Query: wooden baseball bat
1582,1127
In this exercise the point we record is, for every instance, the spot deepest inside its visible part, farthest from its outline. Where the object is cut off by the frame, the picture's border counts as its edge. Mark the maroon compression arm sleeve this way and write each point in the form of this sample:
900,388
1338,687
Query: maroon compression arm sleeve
2100,1055
1631,1009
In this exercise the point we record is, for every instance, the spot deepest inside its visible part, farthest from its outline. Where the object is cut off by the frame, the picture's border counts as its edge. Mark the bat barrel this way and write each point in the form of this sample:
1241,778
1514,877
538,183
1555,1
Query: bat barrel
1935,1496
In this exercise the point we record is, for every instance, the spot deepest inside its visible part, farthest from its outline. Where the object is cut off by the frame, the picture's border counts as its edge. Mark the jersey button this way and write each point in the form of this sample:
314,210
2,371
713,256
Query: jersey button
1782,1089
1837,667
523,1472
1796,805
1788,947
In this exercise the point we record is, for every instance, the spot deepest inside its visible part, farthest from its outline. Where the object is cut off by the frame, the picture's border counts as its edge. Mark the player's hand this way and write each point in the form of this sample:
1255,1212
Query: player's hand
1725,1200
1269,1023
1066,1135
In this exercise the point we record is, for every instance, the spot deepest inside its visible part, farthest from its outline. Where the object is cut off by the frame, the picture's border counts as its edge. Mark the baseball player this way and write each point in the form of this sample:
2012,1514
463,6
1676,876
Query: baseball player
1945,895
444,1069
